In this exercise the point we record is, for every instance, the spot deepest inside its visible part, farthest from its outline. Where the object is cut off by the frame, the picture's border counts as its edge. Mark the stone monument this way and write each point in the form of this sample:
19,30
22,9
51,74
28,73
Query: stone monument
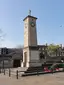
30,50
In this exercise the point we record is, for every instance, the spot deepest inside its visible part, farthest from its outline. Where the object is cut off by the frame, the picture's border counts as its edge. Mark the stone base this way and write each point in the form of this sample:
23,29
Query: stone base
24,65
34,69
31,64
37,64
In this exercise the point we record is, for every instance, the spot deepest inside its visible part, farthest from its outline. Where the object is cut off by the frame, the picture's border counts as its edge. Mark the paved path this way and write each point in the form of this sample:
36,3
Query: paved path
47,79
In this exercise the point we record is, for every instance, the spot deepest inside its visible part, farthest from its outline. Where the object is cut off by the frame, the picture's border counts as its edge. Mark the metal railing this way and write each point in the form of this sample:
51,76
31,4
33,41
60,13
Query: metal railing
18,74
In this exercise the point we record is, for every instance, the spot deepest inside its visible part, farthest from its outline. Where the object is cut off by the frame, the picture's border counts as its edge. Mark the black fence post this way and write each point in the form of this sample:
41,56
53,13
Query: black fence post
9,72
52,70
4,71
17,74
37,72
0,70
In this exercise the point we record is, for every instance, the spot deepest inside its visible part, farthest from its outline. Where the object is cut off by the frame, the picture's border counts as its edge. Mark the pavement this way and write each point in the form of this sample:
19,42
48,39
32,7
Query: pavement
45,79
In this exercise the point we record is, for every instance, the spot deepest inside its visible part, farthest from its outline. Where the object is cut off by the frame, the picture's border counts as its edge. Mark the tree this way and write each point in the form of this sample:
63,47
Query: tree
19,46
52,49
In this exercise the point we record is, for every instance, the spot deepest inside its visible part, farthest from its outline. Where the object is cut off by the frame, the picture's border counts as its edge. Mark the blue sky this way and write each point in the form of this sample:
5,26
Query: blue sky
50,14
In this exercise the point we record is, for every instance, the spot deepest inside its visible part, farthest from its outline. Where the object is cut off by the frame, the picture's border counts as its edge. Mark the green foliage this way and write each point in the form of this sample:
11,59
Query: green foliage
53,47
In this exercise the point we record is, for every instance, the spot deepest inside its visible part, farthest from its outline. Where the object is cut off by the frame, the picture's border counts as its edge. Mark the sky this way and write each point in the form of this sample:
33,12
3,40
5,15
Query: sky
50,22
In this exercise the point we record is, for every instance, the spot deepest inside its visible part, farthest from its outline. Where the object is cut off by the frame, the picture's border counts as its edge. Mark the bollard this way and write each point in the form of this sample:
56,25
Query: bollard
37,73
9,72
0,70
4,71
52,71
17,74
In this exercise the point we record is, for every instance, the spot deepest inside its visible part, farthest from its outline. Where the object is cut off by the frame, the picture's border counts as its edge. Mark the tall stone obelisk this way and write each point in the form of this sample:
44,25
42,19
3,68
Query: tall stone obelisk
30,41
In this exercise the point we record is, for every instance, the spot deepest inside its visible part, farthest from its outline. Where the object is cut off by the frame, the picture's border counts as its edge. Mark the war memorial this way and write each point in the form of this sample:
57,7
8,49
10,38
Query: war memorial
35,56
31,48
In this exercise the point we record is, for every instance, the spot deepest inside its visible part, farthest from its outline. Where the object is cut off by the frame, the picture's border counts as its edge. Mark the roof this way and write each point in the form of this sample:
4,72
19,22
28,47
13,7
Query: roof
29,17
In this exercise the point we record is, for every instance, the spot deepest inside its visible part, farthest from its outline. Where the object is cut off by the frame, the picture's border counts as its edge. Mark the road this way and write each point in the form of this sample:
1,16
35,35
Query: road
46,79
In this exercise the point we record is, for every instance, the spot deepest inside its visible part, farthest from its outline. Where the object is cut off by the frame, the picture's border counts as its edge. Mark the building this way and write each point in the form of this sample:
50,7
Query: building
3,51
10,57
